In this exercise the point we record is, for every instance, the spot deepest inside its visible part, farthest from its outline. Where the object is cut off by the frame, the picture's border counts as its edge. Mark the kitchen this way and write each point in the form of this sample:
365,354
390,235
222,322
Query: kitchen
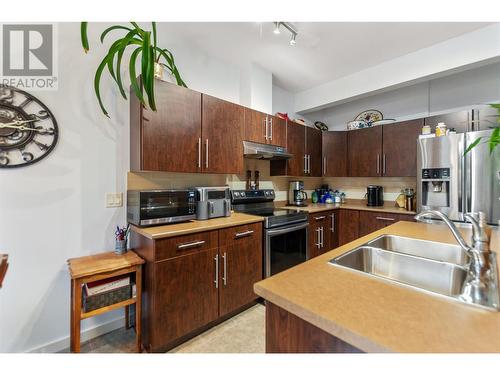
256,192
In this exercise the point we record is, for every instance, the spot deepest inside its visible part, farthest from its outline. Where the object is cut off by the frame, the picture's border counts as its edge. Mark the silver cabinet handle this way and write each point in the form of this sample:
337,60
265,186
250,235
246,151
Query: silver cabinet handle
385,218
266,136
378,164
322,237
318,243
216,280
332,228
224,276
199,152
244,234
270,128
309,164
320,218
188,245
324,165
305,163
206,153
383,165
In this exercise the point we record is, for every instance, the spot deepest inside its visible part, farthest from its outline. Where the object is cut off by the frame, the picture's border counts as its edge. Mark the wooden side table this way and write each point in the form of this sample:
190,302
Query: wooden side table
98,267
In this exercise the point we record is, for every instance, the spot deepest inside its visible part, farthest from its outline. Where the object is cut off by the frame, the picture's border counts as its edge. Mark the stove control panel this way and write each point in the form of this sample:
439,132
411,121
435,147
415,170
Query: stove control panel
246,196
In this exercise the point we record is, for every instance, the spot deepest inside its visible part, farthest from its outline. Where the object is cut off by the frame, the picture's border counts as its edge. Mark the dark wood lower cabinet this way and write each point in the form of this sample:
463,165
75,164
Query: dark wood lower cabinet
186,295
348,226
371,221
287,333
195,281
240,267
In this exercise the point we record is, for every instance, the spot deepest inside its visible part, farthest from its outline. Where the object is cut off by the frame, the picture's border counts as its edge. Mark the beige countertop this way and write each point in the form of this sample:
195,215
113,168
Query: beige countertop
353,204
379,316
195,226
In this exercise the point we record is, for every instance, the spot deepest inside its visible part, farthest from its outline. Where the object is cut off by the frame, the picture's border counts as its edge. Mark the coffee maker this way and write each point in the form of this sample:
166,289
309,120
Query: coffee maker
296,194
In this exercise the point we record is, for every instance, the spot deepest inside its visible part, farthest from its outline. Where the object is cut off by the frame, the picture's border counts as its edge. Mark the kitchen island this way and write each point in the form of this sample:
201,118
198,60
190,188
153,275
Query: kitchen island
316,307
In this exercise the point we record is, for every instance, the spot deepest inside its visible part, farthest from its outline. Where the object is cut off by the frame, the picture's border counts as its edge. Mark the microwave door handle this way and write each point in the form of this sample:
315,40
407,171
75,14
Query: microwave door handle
211,206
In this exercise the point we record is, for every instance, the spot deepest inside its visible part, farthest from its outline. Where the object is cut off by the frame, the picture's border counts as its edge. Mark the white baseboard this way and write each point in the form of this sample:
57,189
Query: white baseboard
61,344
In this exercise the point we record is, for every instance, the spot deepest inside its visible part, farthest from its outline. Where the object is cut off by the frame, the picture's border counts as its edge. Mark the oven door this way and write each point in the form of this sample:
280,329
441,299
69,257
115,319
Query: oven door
167,206
285,247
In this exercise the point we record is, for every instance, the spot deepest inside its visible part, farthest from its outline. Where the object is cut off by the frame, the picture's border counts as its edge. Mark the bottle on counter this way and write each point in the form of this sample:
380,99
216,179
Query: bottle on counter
440,129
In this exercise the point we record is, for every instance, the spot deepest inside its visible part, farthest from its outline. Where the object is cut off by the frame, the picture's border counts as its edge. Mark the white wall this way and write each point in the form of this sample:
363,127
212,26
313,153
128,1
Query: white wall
461,90
54,210
283,101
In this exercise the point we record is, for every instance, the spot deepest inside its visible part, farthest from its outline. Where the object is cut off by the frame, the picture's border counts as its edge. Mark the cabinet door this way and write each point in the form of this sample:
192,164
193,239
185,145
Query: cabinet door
371,221
365,152
313,150
334,154
296,146
186,295
255,126
348,226
319,239
170,135
277,131
399,157
240,267
222,131
461,121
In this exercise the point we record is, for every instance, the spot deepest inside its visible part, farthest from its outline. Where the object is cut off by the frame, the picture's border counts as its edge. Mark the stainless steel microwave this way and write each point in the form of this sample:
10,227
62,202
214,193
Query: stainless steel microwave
154,207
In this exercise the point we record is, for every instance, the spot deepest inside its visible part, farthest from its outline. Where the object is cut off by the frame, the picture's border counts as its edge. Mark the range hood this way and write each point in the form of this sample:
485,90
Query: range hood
254,150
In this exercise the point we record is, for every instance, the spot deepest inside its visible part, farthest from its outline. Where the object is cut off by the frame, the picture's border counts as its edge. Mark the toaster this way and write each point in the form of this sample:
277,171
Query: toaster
212,202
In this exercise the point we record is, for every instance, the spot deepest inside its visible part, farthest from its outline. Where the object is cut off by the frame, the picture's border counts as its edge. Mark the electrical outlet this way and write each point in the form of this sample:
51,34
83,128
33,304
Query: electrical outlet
114,200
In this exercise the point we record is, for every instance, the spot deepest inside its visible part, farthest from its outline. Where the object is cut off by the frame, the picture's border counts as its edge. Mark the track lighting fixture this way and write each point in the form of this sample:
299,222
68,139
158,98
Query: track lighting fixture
290,28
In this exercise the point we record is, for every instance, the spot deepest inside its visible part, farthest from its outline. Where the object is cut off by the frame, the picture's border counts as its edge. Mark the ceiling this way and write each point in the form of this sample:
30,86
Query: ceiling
324,51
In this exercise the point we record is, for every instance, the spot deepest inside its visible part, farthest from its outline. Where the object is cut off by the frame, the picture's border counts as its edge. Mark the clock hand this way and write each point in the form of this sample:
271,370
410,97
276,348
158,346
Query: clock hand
14,123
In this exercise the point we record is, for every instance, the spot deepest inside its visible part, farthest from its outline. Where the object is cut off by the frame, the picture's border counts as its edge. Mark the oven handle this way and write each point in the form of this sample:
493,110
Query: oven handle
291,228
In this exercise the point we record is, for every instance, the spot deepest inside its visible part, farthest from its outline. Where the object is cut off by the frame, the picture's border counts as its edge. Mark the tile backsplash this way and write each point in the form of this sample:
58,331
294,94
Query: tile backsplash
354,187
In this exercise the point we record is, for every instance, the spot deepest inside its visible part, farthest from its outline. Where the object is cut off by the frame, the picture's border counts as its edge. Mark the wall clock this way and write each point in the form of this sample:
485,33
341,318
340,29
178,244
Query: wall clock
28,130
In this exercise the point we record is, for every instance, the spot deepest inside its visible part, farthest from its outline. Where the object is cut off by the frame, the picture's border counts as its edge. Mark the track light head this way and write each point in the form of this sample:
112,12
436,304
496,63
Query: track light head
277,27
292,39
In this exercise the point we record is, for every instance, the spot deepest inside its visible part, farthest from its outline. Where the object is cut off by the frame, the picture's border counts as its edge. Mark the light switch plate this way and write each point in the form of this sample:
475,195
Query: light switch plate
114,200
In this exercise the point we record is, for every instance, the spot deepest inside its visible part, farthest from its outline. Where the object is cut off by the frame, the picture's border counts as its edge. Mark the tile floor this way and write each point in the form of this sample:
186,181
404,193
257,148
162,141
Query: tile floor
243,333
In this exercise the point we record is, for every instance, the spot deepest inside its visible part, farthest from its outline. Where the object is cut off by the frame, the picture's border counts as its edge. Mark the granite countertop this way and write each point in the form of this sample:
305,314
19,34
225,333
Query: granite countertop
196,226
379,316
352,204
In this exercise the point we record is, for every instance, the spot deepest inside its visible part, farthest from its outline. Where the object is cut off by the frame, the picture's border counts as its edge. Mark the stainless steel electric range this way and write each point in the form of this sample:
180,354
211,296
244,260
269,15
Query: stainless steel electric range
285,230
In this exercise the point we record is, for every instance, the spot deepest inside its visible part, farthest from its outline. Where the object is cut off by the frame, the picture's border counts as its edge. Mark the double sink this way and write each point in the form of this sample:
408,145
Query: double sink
426,265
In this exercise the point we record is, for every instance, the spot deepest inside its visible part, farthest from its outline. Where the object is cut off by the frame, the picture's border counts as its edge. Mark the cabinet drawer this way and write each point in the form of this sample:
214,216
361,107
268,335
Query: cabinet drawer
320,217
371,221
187,244
241,233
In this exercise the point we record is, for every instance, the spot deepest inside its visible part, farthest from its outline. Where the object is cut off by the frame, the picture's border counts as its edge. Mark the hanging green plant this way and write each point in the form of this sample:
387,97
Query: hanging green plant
494,139
153,59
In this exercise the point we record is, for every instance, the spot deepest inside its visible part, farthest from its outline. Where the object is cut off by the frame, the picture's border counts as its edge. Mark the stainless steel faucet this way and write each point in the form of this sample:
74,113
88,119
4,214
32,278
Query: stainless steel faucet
481,283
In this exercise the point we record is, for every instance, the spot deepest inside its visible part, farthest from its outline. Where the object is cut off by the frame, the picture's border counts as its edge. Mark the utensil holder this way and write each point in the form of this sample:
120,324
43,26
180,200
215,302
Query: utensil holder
120,247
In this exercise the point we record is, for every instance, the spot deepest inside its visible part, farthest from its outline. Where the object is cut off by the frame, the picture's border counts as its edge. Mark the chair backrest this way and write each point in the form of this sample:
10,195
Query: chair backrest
3,267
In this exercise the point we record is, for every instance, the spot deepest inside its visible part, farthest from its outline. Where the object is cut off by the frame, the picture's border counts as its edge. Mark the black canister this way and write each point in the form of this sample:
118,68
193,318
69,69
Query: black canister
375,195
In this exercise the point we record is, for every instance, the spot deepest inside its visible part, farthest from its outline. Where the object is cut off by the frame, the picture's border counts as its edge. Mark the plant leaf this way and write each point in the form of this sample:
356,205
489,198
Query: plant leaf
154,39
97,81
84,37
133,77
472,145
105,32
129,39
147,69
494,140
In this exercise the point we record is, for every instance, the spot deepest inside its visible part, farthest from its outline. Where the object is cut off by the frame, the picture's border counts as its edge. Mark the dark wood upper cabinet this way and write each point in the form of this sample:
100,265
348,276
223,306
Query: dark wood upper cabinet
313,152
255,126
240,267
334,153
222,136
278,131
166,139
461,121
399,157
296,145
365,152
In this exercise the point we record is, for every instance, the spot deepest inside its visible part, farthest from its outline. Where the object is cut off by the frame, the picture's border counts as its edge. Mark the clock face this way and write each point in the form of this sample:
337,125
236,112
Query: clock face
28,130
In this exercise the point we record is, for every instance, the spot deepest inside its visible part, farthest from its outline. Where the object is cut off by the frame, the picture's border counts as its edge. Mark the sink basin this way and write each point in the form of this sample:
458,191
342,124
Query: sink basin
427,249
431,275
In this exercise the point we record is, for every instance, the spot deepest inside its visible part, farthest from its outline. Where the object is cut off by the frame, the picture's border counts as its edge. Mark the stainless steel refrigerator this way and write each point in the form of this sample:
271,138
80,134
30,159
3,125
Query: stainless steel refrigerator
455,184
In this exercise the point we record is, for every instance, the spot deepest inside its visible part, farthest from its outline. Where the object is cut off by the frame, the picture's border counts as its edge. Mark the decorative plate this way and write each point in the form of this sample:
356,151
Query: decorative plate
384,121
369,116
356,124
321,126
